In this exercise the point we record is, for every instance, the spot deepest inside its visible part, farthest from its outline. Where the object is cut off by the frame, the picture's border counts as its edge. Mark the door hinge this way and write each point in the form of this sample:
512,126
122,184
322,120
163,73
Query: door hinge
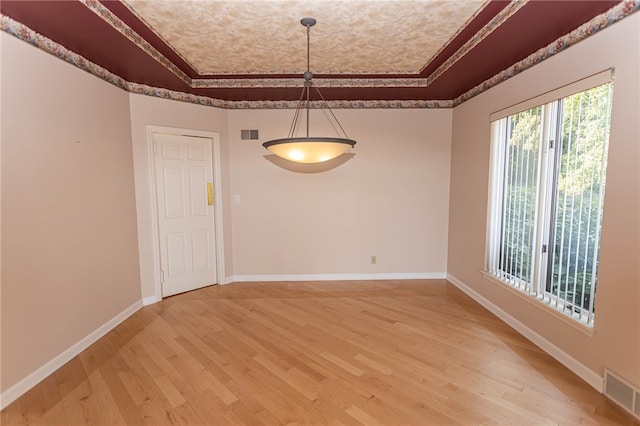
155,147
551,142
544,248
161,276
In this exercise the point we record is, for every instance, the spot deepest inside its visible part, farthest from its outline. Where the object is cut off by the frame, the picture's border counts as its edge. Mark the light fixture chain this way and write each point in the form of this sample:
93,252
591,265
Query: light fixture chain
307,76
294,124
324,102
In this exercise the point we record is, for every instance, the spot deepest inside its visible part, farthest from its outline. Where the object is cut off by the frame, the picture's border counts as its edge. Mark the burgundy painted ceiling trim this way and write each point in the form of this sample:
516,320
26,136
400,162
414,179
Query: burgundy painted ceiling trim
120,10
72,25
503,47
489,12
77,28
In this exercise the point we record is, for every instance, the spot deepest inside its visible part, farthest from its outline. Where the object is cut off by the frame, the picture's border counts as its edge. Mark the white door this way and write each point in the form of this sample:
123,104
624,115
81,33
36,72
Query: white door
184,183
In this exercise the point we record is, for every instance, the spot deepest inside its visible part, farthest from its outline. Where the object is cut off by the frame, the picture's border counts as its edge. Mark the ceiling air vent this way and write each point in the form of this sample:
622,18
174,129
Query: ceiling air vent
249,135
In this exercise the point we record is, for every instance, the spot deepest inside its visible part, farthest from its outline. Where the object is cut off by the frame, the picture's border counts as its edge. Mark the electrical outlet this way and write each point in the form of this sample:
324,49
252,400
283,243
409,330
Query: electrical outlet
374,260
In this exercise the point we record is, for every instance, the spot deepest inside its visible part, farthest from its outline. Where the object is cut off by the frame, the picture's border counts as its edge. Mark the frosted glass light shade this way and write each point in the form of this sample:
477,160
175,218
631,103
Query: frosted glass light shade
309,150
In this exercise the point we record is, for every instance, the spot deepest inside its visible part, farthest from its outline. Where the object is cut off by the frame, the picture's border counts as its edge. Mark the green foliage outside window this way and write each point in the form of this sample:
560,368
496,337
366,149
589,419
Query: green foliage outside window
580,186
576,218
520,193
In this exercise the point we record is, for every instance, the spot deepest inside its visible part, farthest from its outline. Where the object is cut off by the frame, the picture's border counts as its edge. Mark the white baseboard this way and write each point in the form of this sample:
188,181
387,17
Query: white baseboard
20,388
340,277
586,374
151,300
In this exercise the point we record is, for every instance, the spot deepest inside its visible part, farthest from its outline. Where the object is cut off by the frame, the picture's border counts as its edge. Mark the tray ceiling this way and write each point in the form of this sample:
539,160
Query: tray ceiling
251,53
265,37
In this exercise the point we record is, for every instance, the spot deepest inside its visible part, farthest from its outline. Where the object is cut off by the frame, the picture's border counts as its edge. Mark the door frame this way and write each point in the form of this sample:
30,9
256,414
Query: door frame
217,205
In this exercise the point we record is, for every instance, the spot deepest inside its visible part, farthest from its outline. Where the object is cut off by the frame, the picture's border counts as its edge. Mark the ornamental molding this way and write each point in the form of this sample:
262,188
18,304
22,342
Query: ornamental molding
597,24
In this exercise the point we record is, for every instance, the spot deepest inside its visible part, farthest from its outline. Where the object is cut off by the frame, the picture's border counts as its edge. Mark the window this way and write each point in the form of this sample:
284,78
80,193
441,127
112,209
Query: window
546,199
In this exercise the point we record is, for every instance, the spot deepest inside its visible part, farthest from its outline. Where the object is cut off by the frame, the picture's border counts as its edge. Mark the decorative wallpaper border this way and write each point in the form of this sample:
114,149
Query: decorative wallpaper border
600,22
153,30
597,24
456,34
497,20
106,15
237,83
341,104
115,22
26,34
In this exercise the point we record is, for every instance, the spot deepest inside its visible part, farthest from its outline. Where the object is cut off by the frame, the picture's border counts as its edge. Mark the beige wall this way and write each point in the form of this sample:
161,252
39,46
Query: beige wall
69,243
390,200
146,110
615,343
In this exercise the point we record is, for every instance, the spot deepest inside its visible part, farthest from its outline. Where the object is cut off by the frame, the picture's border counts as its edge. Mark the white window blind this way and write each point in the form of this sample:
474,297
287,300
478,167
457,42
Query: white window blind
548,171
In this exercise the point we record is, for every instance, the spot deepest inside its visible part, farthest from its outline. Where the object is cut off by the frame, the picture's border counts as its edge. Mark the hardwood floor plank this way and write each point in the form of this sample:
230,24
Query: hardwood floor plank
35,402
127,408
362,416
314,353
16,414
107,405
54,412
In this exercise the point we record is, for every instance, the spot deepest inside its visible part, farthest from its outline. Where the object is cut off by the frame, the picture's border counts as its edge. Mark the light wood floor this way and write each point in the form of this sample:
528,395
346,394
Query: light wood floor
337,353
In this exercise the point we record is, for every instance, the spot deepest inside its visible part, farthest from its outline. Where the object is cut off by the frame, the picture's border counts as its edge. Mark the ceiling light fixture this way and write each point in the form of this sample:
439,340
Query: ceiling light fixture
309,149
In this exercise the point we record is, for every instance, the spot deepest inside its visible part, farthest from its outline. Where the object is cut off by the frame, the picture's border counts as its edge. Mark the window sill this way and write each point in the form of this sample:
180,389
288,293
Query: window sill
545,308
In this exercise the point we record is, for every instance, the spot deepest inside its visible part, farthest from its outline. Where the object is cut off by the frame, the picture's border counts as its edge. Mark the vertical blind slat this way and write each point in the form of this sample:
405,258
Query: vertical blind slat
575,213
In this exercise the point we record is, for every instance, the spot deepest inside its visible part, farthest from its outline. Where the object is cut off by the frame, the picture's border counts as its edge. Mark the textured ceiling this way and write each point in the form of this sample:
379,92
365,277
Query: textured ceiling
265,37
364,53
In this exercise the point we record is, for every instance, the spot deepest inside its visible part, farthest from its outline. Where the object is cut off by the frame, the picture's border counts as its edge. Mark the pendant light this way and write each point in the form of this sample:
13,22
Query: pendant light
309,149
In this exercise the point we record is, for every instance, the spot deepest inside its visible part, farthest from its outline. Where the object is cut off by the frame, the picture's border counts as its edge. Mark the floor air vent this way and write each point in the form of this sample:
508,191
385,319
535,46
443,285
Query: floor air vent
622,393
